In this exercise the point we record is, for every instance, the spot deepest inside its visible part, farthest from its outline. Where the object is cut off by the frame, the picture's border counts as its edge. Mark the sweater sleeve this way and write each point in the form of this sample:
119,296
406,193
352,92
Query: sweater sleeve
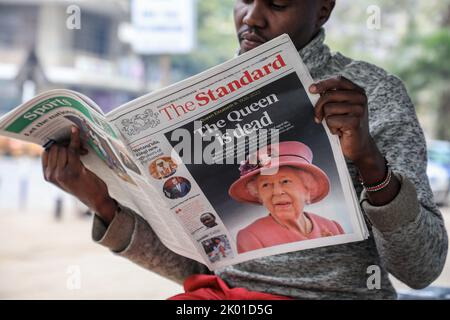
409,232
131,237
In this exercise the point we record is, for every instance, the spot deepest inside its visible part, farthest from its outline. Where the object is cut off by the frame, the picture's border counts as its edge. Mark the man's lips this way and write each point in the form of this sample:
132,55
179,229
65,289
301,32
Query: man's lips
251,40
252,37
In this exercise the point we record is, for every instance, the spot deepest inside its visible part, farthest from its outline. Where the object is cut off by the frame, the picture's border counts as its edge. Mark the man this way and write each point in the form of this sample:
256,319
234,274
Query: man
208,220
178,188
375,120
163,168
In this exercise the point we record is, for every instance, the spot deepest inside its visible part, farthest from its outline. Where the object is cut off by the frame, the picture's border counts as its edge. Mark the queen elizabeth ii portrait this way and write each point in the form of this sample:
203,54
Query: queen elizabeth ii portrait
282,178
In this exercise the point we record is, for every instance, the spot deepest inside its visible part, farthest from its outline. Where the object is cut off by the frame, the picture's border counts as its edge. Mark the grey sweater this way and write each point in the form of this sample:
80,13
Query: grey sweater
408,236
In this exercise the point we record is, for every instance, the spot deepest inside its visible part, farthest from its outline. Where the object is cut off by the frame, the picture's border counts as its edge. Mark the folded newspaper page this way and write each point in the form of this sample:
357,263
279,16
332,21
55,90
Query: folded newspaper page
226,166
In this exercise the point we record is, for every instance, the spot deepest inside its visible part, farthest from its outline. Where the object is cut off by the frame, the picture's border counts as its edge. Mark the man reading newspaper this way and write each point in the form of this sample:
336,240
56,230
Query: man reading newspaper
371,113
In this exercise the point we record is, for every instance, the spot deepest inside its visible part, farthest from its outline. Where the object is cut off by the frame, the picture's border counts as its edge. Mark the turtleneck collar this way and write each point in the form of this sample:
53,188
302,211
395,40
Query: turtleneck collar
316,53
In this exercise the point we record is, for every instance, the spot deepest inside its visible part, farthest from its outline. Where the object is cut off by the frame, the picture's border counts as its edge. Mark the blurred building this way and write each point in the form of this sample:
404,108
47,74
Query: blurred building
99,48
36,42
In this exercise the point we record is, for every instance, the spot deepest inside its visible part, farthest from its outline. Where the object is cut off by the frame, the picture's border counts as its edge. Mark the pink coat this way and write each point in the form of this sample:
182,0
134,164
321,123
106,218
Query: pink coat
266,232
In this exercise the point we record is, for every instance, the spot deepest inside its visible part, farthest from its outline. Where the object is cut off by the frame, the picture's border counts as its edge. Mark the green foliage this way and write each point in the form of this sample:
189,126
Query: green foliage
425,66
424,59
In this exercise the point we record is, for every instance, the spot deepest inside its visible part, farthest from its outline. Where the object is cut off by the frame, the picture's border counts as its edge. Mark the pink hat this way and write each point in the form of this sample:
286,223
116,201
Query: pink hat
289,153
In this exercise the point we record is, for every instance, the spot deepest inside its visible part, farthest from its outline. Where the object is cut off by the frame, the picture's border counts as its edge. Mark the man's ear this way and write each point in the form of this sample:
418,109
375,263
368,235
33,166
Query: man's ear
325,10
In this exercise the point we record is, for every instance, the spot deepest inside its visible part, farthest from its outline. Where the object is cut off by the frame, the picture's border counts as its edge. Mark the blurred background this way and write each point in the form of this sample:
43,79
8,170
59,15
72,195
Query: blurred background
116,50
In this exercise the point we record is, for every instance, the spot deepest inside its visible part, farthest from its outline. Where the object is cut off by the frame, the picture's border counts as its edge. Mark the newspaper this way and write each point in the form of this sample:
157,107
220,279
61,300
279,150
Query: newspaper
226,166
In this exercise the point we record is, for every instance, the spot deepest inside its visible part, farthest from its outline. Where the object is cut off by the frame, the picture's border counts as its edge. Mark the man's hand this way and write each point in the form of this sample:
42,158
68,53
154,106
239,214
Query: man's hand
343,106
62,167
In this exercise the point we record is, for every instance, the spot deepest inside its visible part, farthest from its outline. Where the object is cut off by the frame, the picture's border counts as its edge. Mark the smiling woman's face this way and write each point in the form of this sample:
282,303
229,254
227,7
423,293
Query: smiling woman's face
283,194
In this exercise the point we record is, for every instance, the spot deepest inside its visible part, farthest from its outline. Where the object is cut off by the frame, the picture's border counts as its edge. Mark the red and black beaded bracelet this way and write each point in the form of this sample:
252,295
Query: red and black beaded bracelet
379,186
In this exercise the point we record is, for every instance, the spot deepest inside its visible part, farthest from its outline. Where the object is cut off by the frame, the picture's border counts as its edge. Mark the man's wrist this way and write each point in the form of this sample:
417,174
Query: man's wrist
372,166
374,171
106,208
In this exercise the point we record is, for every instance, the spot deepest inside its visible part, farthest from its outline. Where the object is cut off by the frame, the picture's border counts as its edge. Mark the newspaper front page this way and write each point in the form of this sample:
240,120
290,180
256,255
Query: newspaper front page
211,146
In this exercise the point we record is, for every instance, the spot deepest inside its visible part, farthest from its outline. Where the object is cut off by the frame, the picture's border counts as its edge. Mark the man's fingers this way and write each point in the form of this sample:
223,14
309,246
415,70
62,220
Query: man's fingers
62,158
52,162
73,156
335,83
339,108
53,157
349,97
74,145
341,123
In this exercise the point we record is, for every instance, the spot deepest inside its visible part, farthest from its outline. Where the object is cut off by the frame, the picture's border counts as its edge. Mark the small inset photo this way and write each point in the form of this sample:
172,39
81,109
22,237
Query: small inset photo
217,248
176,187
208,220
163,168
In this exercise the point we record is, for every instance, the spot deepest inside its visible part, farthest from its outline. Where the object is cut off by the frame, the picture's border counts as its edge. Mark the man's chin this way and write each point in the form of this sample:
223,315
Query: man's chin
248,45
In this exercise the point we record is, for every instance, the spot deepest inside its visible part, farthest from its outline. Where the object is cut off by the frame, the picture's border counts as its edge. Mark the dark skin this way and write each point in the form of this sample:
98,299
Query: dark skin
258,21
342,105
62,166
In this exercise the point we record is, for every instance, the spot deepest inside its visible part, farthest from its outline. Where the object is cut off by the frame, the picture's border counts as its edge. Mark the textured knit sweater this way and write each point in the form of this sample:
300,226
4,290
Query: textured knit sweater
408,237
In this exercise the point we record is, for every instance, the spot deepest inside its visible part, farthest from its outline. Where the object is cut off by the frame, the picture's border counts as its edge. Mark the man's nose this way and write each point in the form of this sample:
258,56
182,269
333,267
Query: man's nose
255,15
